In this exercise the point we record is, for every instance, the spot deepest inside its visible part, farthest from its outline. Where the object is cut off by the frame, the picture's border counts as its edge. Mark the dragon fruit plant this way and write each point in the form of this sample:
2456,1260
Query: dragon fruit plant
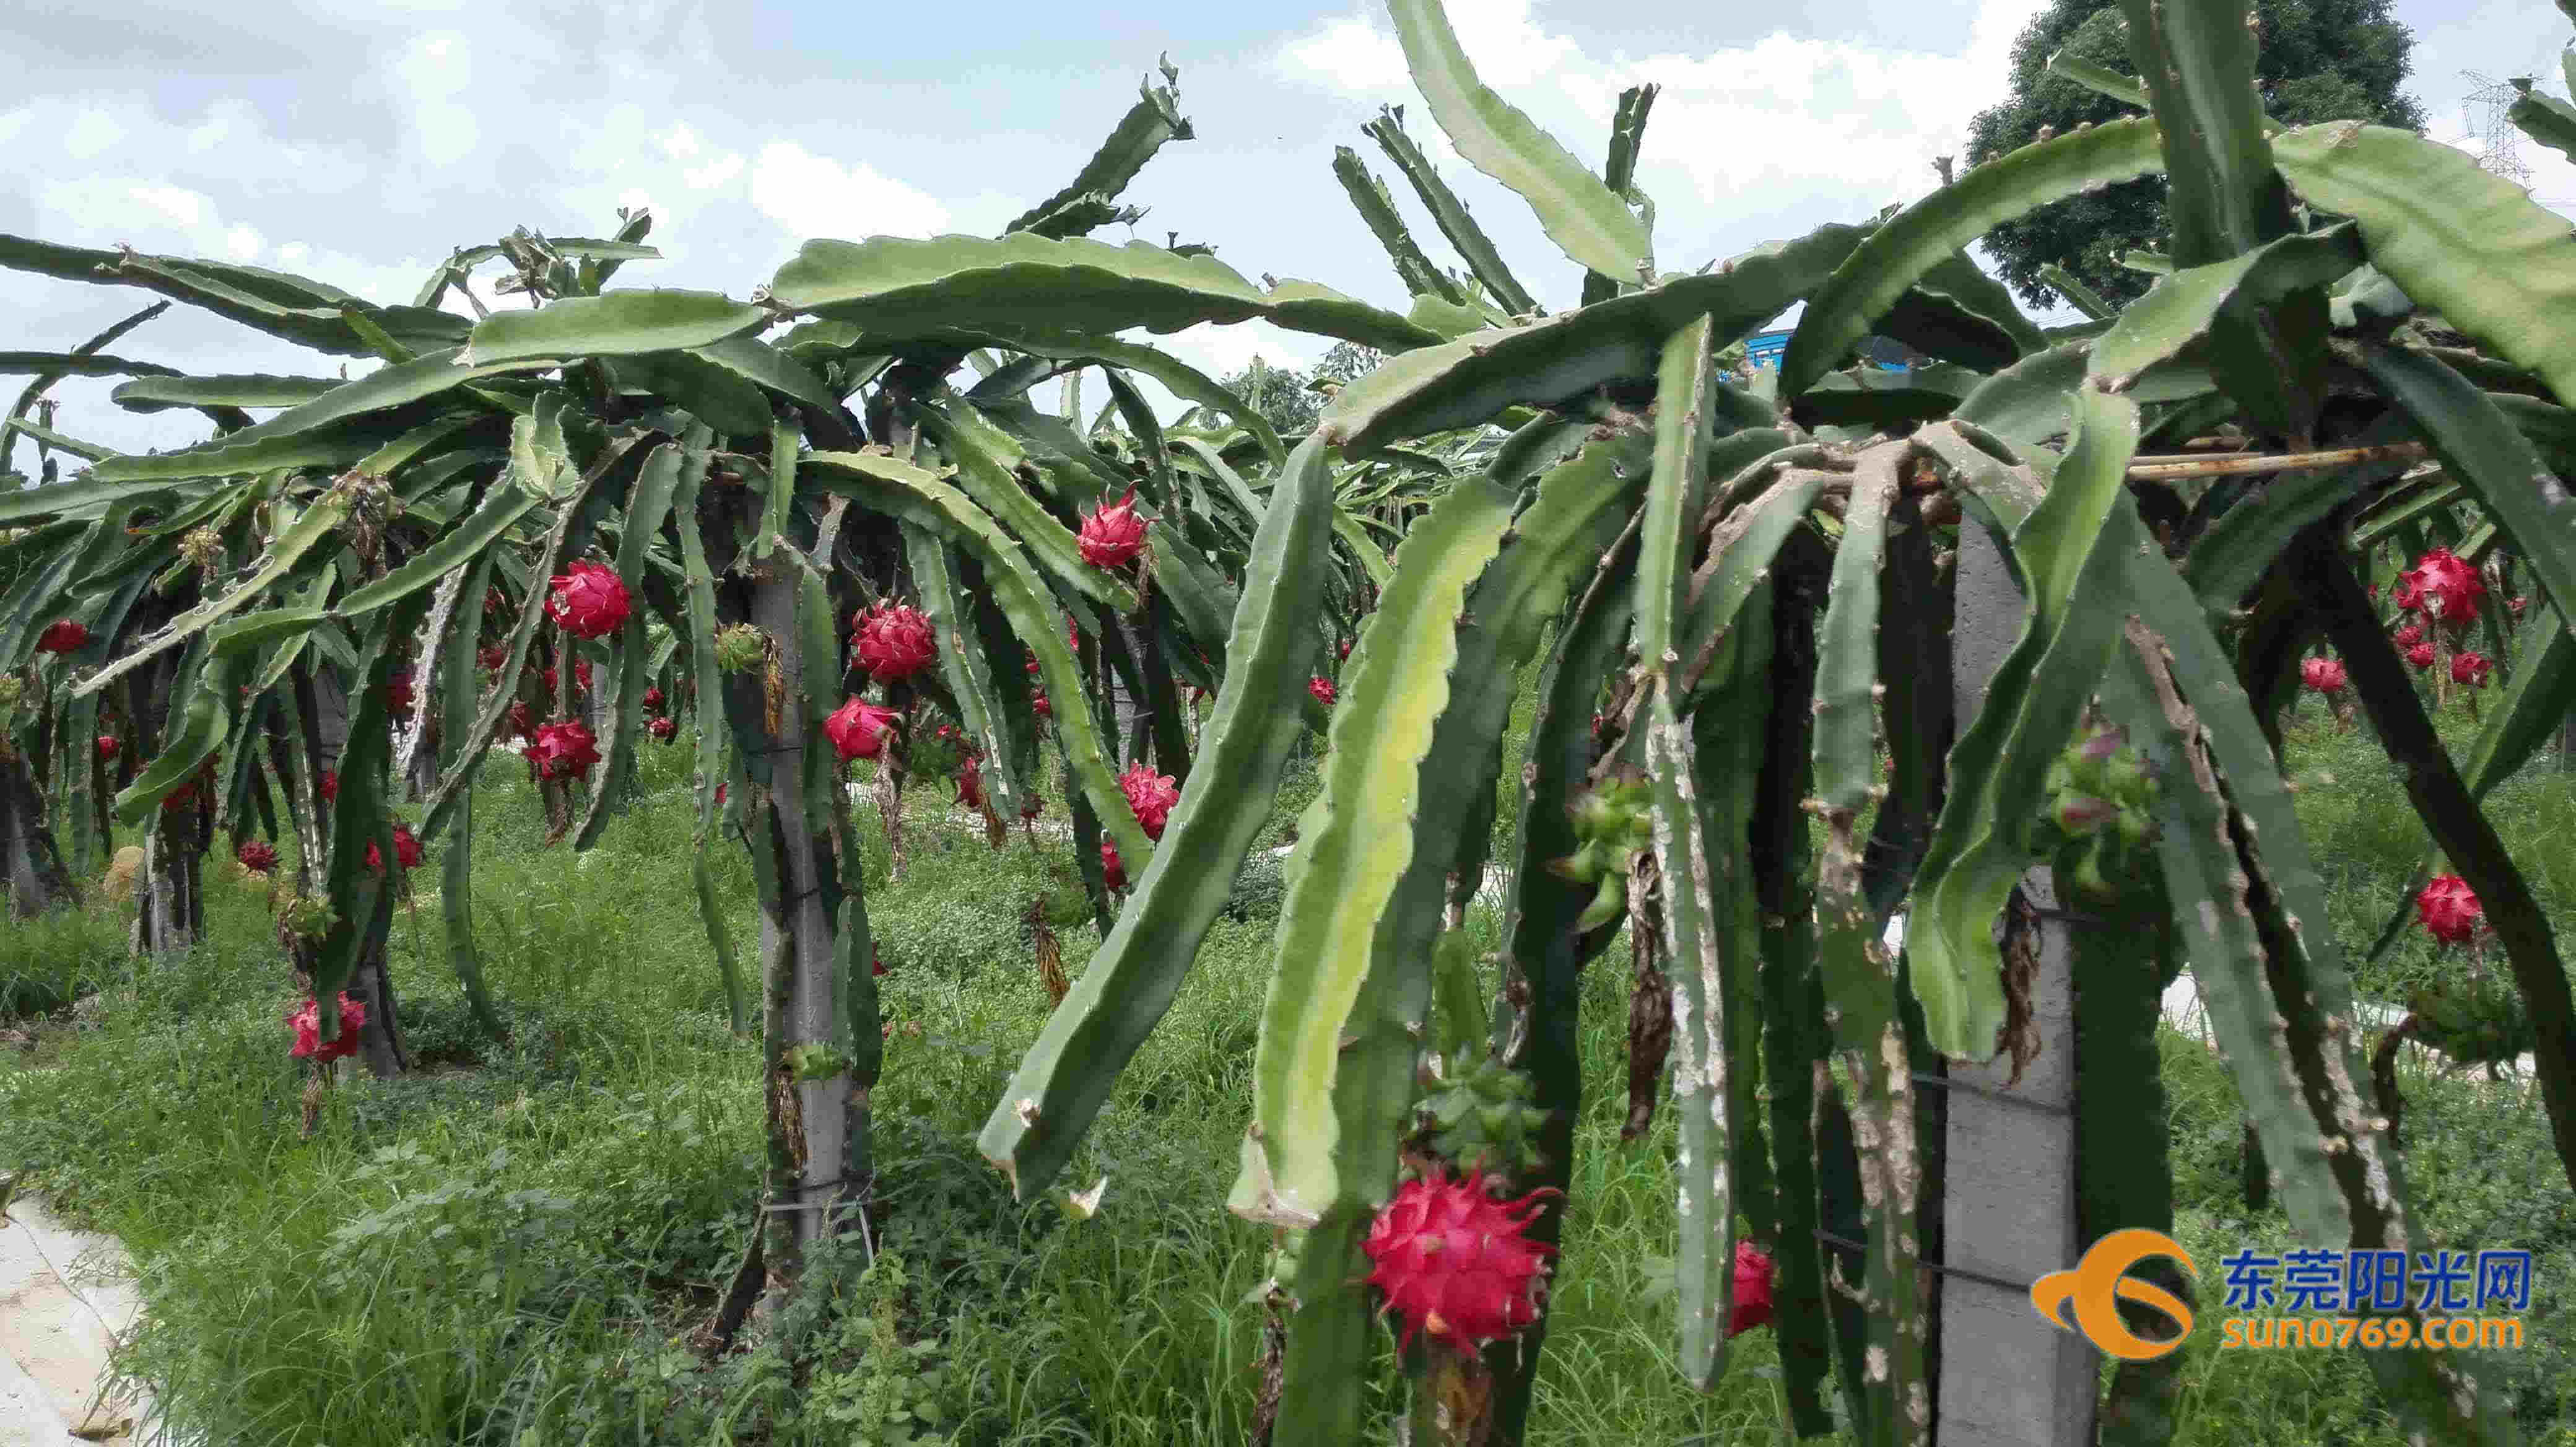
1752,585
513,508
1741,597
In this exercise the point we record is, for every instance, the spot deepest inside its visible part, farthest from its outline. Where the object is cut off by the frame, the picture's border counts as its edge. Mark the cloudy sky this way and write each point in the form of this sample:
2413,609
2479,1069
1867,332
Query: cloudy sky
361,143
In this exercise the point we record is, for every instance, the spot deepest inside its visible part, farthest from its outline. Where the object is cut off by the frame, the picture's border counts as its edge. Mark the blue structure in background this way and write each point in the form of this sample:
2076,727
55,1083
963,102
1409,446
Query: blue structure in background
1764,350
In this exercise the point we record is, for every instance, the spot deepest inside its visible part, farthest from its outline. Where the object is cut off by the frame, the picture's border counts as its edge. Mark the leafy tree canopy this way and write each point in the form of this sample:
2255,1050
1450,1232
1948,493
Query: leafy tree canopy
1288,397
2321,60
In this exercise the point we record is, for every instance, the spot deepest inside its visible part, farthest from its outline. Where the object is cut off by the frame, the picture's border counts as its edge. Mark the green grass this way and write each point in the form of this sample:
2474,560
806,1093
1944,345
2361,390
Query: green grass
511,1245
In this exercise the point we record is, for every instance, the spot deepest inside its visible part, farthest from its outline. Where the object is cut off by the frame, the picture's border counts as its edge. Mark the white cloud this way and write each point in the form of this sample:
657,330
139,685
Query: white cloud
810,195
1223,351
437,69
1352,54
679,142
714,173
1506,45
1789,118
149,215
242,242
93,133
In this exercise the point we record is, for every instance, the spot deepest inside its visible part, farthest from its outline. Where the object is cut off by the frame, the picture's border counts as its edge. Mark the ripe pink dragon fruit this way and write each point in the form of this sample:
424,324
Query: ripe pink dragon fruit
662,728
857,729
330,786
1151,795
2323,675
406,851
894,642
653,698
108,746
1322,688
1457,1263
2449,909
589,601
2408,636
2408,597
2518,602
1113,872
398,693
523,723
306,1022
1753,1272
580,677
256,855
2471,669
1039,705
62,636
492,658
1112,536
563,750
970,782
2421,655
2449,587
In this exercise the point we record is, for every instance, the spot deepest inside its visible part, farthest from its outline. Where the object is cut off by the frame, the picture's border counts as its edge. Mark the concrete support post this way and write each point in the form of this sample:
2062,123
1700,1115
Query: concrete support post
2008,1377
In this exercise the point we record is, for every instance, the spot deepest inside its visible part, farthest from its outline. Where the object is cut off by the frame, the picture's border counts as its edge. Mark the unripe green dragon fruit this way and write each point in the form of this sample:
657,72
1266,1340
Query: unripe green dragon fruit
740,647
1614,824
1484,1120
2099,815
815,1060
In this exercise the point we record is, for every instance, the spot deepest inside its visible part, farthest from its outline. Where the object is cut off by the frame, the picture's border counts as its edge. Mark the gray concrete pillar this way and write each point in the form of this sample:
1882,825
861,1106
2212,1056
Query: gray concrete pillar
2009,1378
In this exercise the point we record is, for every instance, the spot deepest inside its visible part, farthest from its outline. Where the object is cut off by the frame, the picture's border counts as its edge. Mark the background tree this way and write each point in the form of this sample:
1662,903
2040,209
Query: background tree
1288,397
2321,60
